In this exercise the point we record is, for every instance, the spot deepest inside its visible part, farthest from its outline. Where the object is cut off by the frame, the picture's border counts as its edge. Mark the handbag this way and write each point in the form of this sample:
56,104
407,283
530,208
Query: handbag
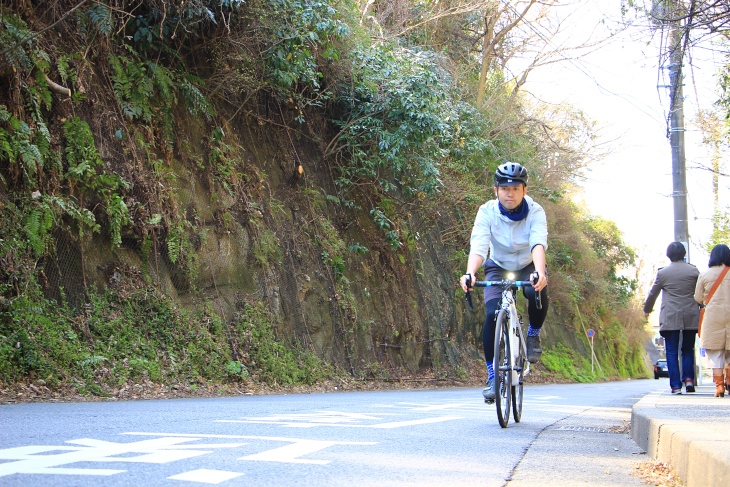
710,294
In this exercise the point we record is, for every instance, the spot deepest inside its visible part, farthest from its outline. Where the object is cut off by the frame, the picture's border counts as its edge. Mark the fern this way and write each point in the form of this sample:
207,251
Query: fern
43,140
81,153
17,146
145,250
40,95
118,214
146,88
31,157
54,163
4,114
195,101
93,360
100,17
82,216
42,217
36,227
164,81
66,71
16,35
132,87
174,243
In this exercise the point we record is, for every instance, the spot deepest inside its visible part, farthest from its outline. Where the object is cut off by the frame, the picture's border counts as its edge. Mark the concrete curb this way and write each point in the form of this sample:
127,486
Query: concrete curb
701,456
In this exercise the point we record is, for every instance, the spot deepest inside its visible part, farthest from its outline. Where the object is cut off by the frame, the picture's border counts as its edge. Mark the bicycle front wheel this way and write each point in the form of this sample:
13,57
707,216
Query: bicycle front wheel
502,368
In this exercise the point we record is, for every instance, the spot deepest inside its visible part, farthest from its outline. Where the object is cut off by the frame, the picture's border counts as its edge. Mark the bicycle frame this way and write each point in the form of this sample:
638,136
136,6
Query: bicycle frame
517,339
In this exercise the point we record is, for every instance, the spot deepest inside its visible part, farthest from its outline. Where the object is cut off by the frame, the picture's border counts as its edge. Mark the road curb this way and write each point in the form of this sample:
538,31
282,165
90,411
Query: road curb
701,456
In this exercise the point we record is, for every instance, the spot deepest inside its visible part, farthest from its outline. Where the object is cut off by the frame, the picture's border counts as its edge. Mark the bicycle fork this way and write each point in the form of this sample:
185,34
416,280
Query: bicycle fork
518,344
514,339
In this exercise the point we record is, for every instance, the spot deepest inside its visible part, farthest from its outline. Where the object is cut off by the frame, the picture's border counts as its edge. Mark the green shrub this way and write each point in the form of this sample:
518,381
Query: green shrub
272,361
561,361
120,337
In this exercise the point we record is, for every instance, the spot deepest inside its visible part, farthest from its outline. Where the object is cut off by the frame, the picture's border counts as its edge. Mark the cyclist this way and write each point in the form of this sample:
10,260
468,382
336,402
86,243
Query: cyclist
512,231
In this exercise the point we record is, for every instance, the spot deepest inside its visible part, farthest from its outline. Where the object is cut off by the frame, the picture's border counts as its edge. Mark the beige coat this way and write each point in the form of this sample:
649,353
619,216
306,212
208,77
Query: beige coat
715,333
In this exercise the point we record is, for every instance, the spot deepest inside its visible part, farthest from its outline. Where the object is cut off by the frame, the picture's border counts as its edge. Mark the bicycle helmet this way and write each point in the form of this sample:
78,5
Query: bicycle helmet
510,173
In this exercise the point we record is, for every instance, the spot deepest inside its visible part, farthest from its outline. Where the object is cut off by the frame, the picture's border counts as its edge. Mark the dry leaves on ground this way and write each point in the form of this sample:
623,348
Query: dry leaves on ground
623,428
657,473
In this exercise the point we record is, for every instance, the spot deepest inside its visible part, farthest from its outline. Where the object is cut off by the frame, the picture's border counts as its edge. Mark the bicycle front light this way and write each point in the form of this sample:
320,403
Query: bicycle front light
511,277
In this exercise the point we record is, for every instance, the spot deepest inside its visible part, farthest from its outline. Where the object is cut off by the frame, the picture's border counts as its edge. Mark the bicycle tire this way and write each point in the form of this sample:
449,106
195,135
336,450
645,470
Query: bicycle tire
502,369
517,389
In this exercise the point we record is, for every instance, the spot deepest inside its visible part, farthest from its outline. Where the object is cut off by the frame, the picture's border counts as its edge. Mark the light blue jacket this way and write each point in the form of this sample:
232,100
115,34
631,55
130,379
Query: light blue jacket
506,242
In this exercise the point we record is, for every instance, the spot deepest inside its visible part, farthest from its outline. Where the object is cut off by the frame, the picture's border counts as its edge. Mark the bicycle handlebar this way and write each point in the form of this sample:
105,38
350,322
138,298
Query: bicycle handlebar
505,283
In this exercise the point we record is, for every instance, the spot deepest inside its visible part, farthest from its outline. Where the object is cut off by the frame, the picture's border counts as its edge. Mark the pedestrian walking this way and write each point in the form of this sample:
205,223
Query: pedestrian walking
679,316
713,291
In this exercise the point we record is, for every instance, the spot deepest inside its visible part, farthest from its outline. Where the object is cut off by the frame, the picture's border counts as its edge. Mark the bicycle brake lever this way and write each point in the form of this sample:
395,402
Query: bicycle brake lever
468,293
536,276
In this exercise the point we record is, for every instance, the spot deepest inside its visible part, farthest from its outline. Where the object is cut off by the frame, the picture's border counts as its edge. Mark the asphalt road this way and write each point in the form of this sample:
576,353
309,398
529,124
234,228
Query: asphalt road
572,434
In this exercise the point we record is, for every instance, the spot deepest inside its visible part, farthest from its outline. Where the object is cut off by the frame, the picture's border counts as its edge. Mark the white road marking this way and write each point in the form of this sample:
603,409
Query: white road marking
475,405
39,460
400,424
437,407
170,447
395,424
319,417
291,453
284,454
247,437
544,398
206,476
157,450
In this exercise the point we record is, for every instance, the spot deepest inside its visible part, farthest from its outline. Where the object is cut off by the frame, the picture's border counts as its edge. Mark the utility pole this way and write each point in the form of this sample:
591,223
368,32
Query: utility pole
676,134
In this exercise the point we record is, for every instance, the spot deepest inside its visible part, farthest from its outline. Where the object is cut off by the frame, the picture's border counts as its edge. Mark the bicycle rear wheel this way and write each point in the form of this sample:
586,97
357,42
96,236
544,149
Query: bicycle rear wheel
502,369
520,362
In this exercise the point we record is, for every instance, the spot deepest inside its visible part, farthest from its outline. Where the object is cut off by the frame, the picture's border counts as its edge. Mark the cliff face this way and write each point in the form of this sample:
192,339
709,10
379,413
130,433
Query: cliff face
323,270
201,154
275,235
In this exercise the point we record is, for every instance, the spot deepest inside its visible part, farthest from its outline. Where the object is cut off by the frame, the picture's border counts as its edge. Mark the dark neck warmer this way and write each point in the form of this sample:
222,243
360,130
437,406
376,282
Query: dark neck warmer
519,213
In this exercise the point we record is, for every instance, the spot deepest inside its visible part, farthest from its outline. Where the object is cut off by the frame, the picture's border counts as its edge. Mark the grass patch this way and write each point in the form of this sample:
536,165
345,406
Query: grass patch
562,361
119,338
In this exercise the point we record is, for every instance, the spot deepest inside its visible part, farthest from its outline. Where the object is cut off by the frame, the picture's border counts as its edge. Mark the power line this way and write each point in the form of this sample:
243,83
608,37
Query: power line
579,64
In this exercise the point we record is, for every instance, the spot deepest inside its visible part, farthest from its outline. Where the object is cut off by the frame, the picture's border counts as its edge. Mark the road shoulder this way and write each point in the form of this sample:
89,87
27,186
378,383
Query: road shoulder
678,433
593,447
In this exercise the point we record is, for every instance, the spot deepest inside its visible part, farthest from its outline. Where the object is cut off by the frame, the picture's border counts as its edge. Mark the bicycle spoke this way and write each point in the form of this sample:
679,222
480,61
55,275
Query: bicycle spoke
517,388
503,372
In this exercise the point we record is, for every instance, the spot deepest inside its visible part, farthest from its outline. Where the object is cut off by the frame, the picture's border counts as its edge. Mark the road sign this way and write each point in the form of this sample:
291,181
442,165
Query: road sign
591,334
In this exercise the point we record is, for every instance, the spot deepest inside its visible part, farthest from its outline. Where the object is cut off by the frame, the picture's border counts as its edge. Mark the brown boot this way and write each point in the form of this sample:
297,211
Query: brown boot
727,377
720,385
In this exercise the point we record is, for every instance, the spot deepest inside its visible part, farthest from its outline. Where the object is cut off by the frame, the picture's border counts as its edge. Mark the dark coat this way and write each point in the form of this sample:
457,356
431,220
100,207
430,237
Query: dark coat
680,311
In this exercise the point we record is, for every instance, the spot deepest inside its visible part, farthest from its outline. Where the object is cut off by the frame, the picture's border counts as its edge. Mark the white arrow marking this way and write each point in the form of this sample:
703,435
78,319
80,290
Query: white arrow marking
41,460
284,454
206,476
291,453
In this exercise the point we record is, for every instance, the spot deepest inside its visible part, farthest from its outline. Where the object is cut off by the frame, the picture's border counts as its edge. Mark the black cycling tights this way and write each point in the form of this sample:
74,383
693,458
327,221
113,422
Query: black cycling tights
537,318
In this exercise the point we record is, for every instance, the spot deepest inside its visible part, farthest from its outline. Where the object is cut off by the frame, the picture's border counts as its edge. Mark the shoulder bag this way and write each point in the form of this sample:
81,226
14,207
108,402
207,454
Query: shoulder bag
710,294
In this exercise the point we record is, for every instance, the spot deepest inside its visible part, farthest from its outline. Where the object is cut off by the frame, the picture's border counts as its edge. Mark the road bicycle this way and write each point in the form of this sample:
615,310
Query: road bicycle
510,350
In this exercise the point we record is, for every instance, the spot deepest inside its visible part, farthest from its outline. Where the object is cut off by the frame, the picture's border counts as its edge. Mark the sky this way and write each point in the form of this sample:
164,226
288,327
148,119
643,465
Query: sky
617,85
